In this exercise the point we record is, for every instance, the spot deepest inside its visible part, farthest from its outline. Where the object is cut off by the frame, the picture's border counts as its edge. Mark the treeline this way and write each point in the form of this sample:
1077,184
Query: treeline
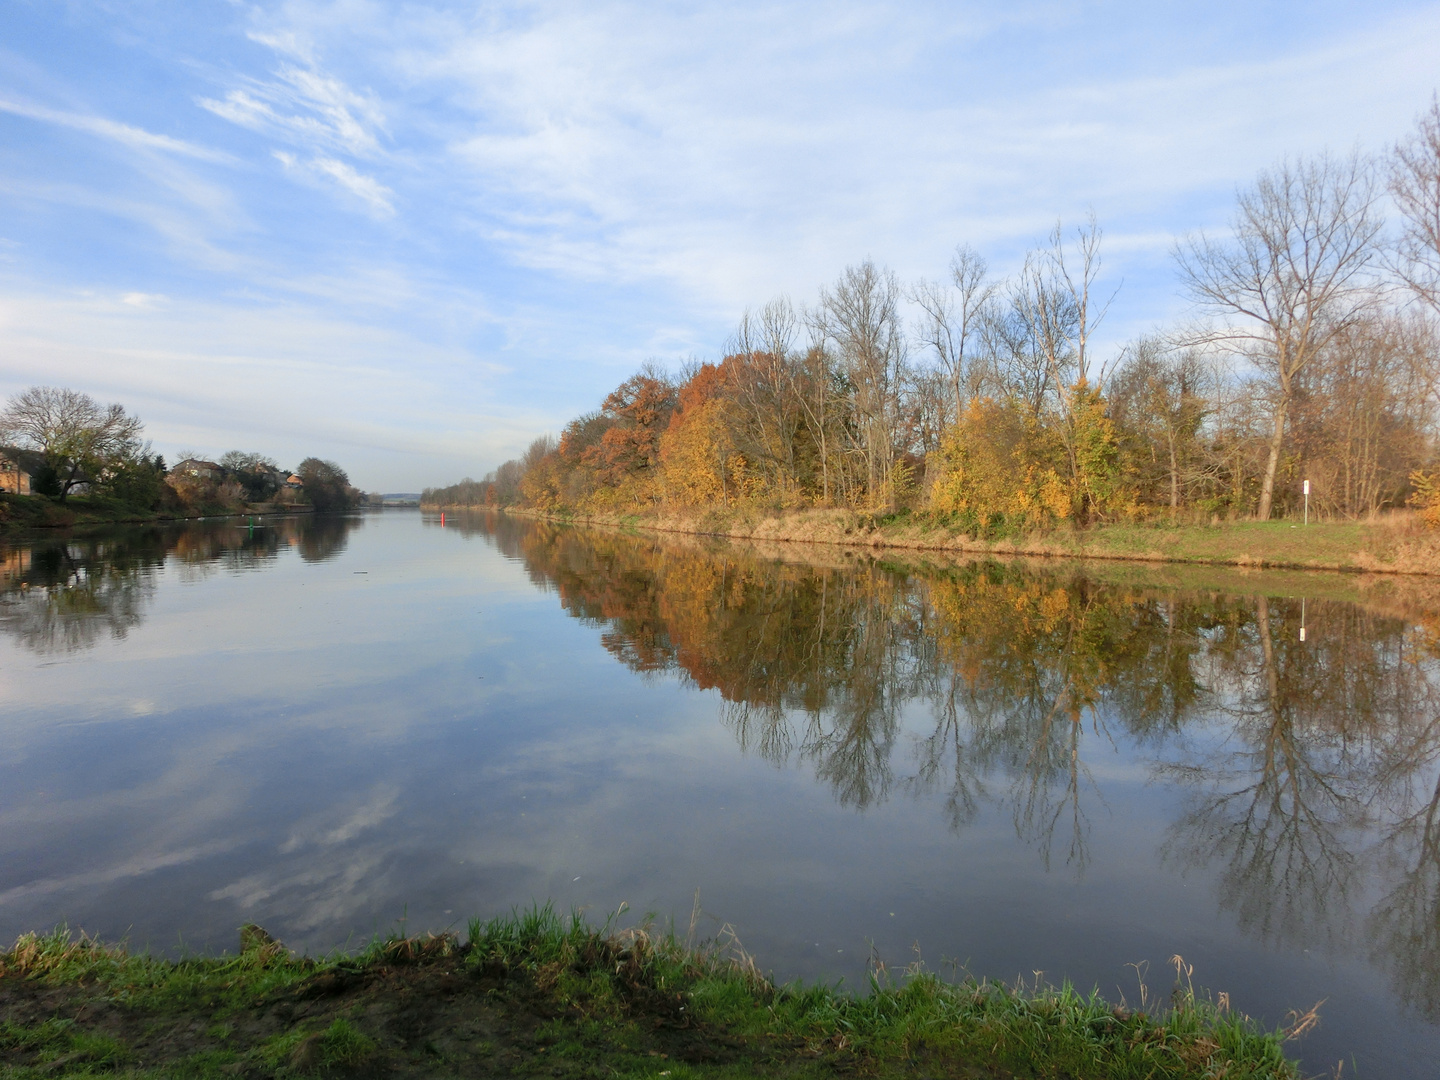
1315,357
67,444
242,478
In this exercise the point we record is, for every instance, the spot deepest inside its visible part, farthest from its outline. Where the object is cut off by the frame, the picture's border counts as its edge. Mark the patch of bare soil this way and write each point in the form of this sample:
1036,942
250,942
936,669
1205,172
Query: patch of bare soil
433,1018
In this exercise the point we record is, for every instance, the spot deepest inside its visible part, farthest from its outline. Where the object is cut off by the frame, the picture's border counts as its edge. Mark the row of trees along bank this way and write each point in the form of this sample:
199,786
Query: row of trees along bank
1316,356
70,445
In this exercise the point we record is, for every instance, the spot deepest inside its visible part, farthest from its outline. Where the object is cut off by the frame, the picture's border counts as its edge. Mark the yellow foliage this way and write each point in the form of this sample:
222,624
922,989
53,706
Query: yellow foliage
540,486
1426,497
999,460
701,466
693,456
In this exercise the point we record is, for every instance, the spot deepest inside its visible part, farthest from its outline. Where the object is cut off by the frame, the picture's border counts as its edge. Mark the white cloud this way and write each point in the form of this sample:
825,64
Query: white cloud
396,410
752,152
373,194
304,106
366,188
125,134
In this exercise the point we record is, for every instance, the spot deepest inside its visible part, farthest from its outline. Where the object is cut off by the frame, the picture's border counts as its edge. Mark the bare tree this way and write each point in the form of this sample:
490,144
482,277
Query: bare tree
763,385
78,437
861,315
1162,395
538,450
1052,300
1292,277
1053,296
1363,418
953,315
1415,185
1019,364
813,385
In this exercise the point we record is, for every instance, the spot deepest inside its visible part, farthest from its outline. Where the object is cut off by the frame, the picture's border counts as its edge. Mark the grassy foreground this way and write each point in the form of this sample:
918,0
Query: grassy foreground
537,995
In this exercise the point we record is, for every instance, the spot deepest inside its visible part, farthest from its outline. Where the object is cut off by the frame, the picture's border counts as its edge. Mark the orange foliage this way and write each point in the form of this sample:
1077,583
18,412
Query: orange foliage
640,408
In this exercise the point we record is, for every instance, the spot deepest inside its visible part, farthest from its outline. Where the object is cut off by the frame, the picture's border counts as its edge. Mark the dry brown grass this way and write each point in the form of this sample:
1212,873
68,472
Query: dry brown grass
1393,543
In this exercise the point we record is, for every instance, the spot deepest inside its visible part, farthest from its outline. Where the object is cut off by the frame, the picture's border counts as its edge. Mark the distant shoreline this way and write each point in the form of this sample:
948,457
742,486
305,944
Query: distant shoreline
42,515
1398,544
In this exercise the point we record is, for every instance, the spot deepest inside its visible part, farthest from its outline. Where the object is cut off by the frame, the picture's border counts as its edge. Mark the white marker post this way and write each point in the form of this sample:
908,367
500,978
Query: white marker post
1307,502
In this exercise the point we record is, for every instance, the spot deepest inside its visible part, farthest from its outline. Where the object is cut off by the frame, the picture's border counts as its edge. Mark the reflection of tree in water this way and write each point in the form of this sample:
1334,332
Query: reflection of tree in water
323,536
60,596
1405,925
1313,767
1310,798
73,593
1031,666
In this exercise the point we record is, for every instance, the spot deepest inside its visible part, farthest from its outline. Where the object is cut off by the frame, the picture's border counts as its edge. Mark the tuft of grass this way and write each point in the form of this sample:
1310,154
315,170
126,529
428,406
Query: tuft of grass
58,1044
343,1044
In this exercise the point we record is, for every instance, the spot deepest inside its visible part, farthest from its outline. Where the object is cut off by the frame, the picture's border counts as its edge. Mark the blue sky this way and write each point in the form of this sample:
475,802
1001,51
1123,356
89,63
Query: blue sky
412,236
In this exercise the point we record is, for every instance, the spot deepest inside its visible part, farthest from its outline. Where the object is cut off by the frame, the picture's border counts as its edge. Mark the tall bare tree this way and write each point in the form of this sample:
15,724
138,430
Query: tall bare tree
762,382
1292,277
1053,301
1364,415
952,316
1054,297
1415,185
861,315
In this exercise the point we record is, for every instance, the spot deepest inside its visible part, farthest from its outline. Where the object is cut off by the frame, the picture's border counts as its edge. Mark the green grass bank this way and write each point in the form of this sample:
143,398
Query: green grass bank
25,513
1397,544
538,995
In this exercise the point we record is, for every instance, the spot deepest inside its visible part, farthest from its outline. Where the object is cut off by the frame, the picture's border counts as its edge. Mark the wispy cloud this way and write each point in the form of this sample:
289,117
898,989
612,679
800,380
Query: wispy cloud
290,378
125,134
317,114
367,189
302,104
305,108
608,143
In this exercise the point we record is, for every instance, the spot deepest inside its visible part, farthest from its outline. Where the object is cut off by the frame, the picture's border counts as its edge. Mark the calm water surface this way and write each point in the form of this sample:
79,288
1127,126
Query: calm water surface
331,726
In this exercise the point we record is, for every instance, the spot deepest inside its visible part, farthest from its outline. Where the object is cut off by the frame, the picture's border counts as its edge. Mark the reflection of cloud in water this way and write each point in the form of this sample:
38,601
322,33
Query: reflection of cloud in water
319,832
131,867
333,877
320,729
327,888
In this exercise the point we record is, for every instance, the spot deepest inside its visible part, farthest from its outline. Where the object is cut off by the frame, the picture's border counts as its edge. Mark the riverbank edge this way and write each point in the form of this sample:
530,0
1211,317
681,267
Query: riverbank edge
1397,545
38,514
534,993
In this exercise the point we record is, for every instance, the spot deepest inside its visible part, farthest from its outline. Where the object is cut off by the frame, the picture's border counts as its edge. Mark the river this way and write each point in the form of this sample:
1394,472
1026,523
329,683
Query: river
337,727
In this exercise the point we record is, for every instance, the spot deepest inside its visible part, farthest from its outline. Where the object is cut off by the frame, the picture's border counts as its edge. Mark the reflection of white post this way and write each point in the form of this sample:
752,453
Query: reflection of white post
1307,505
1302,602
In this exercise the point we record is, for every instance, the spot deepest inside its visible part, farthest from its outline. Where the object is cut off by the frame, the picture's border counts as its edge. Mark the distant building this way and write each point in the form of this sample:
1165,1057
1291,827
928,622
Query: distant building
16,469
200,470
294,483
